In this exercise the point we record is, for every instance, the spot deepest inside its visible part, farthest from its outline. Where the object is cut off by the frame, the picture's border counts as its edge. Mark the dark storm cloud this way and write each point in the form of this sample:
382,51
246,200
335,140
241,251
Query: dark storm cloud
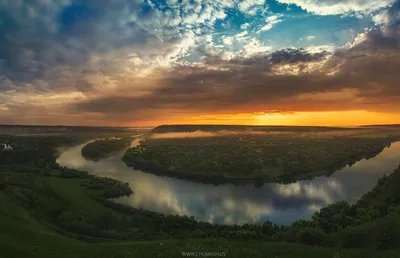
292,56
267,61
201,88
37,37
370,68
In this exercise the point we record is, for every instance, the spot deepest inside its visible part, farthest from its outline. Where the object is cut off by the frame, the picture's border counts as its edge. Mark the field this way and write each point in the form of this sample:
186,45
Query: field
257,154
50,211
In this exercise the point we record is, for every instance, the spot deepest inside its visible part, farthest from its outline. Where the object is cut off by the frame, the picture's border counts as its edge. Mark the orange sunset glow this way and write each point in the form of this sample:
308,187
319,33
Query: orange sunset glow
333,118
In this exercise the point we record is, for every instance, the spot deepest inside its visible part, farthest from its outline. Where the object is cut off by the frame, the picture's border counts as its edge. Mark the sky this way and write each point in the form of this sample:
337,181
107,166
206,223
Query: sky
150,62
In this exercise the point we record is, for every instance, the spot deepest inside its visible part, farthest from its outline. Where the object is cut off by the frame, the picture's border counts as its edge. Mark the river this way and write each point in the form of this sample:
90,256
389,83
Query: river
231,204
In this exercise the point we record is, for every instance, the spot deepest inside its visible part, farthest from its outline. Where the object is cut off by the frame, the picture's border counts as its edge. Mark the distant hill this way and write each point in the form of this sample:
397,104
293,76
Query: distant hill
383,125
39,129
216,128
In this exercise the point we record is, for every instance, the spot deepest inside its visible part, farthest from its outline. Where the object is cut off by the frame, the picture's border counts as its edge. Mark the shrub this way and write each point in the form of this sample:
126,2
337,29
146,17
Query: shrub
2,185
311,236
357,237
288,235
388,232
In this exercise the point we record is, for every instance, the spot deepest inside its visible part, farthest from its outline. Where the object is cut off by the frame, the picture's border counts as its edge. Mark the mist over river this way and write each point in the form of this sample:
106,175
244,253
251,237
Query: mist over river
231,204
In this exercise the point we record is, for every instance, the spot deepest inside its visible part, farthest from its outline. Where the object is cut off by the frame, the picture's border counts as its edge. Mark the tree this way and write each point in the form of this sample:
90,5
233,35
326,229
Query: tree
333,217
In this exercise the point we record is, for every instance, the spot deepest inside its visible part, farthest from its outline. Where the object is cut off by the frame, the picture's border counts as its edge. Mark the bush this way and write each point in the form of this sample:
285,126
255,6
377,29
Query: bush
303,224
311,236
357,237
3,184
333,217
288,235
384,233
388,232
77,221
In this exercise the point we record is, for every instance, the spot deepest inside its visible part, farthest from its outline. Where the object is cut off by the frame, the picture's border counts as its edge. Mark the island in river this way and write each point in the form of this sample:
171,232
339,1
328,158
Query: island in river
219,154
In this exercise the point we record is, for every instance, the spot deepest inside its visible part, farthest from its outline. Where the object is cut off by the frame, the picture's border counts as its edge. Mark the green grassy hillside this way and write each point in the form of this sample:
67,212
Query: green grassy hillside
21,235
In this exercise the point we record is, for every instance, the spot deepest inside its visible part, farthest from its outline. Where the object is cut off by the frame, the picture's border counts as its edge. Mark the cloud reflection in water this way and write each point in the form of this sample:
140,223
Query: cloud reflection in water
228,203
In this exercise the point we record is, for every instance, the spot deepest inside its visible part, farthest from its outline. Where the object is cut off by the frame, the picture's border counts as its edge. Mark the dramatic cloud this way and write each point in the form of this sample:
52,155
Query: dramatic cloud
251,7
271,21
331,7
114,62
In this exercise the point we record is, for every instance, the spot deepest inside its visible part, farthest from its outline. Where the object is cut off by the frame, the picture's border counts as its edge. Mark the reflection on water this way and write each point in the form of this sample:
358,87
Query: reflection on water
281,204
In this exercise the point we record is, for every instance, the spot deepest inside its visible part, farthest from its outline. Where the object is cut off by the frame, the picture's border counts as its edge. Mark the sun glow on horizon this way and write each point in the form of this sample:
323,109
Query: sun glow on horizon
318,118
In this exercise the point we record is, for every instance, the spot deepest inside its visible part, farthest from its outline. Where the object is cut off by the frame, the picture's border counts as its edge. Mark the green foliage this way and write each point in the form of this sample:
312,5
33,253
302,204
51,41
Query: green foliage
71,173
107,187
383,233
77,221
303,224
2,184
333,217
357,237
311,236
100,149
388,232
385,195
365,214
21,235
254,156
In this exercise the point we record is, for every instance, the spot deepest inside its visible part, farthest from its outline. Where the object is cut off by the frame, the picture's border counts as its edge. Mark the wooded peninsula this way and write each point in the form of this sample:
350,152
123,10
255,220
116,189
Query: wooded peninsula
100,149
218,154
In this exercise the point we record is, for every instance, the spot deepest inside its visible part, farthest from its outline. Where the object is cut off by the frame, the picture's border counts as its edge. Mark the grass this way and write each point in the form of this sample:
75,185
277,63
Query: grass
70,189
21,235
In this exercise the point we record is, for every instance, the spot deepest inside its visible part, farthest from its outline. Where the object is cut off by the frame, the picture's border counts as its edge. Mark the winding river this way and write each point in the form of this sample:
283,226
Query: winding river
231,204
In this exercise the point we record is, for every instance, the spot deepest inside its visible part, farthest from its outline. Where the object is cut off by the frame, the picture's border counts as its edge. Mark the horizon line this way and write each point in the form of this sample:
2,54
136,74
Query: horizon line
207,124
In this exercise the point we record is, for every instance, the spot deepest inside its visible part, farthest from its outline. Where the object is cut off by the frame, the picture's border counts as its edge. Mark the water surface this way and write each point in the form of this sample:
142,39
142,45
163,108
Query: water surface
228,203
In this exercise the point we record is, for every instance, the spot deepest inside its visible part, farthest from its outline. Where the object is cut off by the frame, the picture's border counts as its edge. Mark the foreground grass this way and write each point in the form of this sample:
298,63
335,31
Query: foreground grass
23,236
71,190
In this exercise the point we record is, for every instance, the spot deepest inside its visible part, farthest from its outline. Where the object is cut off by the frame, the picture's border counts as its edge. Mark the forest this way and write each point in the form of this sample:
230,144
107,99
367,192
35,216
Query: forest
76,205
242,128
100,149
253,156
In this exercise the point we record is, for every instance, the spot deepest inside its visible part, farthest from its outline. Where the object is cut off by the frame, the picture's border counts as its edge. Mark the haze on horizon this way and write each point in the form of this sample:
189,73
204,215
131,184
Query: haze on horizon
150,62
